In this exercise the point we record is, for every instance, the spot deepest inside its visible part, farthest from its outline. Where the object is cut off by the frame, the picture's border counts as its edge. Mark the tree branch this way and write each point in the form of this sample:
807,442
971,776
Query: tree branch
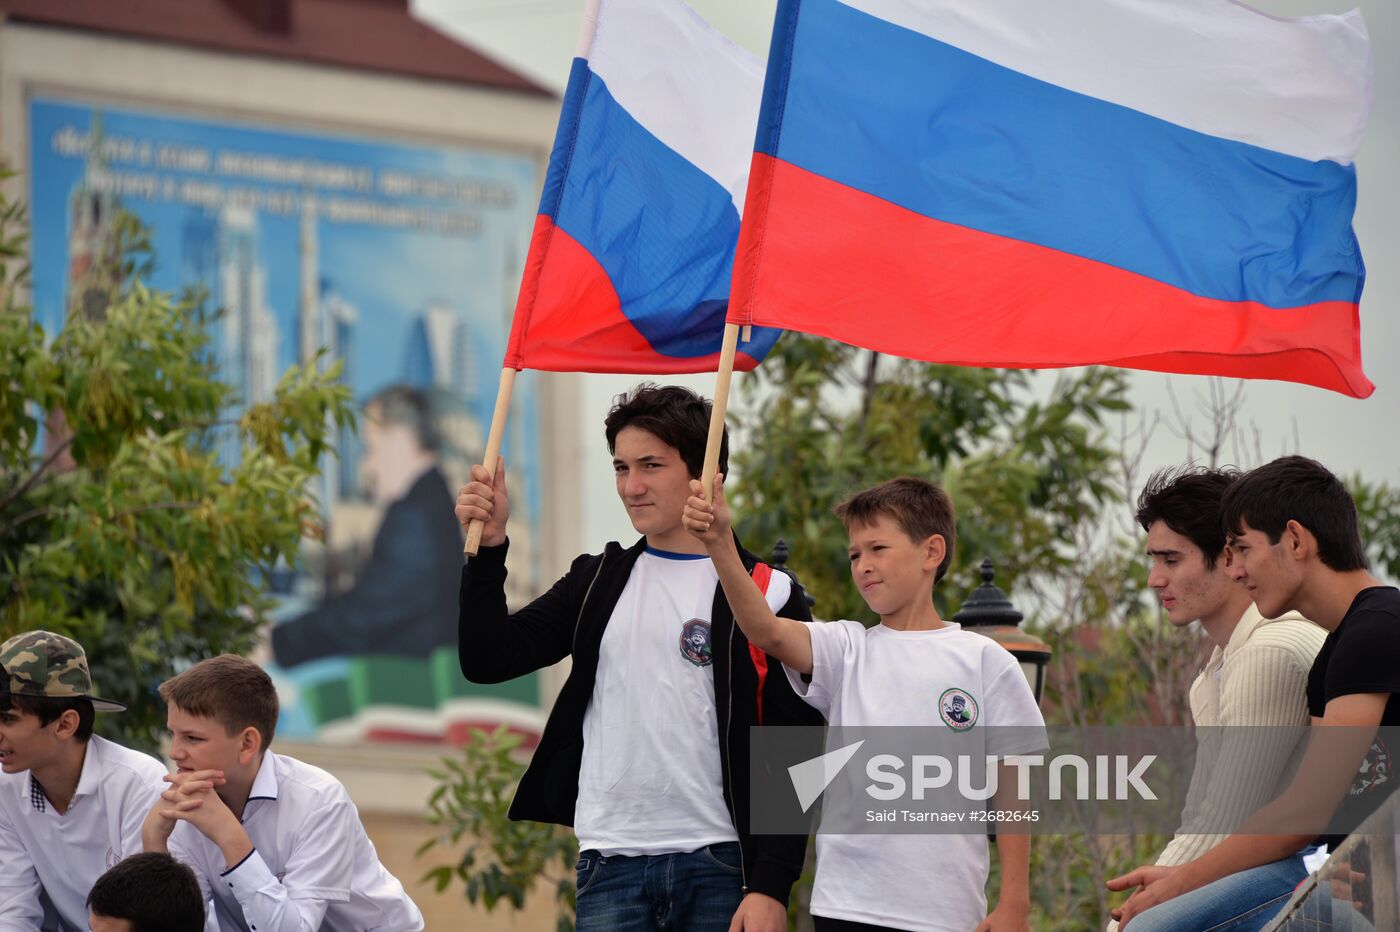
870,383
38,474
42,469
26,517
142,509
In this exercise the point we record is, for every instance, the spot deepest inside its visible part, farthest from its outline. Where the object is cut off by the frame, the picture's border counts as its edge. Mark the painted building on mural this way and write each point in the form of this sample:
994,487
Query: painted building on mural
368,201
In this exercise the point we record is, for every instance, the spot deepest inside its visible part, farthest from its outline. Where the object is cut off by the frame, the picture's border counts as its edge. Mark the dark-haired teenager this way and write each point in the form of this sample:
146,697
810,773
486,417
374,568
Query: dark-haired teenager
146,892
1251,690
71,803
646,750
1295,546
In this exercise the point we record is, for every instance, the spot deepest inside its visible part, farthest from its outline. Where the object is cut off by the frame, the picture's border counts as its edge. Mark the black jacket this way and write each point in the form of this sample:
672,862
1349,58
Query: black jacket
570,619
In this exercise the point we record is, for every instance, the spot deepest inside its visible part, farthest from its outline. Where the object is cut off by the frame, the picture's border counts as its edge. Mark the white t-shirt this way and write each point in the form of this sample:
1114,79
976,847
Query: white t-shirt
312,865
881,676
650,780
63,855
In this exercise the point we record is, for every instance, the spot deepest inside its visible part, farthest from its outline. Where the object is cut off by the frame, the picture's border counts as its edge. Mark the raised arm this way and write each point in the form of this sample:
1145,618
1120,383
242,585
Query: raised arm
493,645
784,638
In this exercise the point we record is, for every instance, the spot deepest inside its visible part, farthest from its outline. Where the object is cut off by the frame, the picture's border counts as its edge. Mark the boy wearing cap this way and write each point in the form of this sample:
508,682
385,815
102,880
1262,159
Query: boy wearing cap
71,803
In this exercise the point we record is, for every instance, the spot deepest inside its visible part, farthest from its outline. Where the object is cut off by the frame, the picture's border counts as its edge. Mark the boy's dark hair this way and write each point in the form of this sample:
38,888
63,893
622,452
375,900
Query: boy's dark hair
676,415
154,892
49,709
232,690
1187,500
921,509
1295,488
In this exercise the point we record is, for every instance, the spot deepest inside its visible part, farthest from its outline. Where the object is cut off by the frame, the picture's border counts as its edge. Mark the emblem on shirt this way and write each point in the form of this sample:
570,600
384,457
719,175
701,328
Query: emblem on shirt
958,709
1374,770
695,642
112,859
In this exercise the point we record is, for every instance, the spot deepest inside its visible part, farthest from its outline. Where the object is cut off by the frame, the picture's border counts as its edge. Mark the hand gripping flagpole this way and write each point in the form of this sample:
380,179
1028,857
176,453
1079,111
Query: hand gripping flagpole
493,451
717,411
588,28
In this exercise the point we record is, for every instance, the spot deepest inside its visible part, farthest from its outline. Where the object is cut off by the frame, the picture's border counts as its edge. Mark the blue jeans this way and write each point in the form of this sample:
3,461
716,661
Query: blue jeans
694,892
1243,902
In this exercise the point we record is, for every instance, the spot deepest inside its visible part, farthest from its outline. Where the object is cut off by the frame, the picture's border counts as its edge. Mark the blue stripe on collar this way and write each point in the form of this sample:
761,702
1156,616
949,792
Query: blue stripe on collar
670,555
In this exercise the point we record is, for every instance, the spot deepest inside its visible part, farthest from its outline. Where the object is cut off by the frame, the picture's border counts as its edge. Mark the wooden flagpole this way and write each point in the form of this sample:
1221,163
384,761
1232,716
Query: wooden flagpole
588,29
721,405
492,455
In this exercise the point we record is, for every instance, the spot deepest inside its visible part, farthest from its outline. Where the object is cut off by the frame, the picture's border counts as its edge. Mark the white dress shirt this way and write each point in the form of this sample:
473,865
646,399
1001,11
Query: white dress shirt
312,866
49,861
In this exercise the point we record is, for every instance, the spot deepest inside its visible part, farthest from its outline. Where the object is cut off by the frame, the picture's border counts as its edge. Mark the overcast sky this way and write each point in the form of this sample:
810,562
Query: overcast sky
538,38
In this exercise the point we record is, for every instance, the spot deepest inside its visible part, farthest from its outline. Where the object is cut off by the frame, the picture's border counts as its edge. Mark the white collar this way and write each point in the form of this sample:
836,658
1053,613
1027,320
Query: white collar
88,779
265,783
1250,620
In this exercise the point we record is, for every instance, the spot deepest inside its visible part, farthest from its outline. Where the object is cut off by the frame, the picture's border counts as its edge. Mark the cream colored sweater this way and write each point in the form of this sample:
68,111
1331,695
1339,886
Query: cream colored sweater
1259,679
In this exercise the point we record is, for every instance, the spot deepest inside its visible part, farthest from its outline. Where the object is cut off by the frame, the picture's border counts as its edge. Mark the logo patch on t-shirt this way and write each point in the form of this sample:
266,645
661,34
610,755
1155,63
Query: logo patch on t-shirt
1375,769
958,709
695,642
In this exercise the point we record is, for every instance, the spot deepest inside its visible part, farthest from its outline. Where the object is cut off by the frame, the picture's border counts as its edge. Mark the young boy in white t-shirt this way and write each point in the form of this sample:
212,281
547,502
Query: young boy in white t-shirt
912,669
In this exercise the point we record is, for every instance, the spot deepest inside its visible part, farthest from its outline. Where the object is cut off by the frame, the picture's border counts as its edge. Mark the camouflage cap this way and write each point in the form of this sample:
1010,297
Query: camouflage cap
42,664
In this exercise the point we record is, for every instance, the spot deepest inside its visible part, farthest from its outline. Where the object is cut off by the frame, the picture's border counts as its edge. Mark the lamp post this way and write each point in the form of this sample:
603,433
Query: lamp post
990,613
778,561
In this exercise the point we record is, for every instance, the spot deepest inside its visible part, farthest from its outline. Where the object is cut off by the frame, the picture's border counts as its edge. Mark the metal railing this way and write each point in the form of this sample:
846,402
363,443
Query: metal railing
1355,889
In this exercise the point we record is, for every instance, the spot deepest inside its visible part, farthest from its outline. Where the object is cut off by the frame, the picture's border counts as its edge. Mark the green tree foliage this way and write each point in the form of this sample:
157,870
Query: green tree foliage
1026,466
119,524
495,860
1378,511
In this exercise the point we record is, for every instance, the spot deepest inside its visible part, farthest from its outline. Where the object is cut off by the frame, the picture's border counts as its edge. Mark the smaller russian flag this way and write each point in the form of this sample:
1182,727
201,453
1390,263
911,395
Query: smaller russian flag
633,248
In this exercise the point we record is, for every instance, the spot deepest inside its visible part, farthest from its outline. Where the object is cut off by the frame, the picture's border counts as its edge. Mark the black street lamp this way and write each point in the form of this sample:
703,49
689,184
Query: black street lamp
990,613
778,561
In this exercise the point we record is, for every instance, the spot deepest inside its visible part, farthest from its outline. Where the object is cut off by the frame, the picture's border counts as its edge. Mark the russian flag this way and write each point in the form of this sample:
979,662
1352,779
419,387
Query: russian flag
1138,183
633,249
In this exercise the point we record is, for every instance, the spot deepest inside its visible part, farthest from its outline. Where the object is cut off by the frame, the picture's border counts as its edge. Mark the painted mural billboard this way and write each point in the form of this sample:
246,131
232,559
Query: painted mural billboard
400,260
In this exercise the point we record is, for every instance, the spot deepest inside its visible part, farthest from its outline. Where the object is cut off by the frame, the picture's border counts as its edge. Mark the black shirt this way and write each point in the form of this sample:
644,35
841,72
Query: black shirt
1363,656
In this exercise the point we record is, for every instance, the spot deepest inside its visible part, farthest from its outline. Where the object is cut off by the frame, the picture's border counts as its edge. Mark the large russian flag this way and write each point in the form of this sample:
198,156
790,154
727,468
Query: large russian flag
630,263
1139,183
